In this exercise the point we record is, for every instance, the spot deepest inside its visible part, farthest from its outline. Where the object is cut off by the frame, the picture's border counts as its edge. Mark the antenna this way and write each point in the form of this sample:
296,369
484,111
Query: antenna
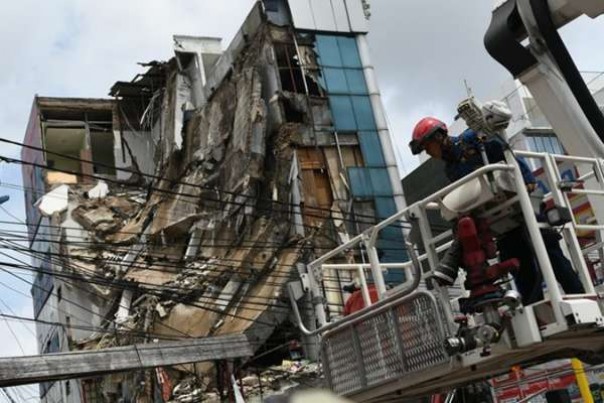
468,88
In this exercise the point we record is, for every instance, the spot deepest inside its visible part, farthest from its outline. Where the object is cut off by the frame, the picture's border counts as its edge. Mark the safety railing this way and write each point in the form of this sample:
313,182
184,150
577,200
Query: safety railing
369,239
403,332
400,338
587,178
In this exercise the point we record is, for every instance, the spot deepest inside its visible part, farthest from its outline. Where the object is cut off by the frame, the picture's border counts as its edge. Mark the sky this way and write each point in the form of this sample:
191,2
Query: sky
423,50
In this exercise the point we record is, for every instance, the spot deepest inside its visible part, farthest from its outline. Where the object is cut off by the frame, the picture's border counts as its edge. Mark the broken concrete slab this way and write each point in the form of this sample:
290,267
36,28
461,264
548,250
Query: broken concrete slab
100,219
55,201
55,178
100,191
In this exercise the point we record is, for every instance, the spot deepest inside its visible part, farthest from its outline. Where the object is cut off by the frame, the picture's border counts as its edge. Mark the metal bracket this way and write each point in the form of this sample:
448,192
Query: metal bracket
305,282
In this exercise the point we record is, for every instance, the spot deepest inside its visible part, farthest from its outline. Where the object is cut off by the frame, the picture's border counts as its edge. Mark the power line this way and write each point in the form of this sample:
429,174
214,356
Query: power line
173,264
73,302
98,329
155,177
11,310
10,328
207,306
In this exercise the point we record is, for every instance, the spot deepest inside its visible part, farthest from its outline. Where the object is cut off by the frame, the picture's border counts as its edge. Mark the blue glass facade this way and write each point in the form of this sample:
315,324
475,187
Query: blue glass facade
343,78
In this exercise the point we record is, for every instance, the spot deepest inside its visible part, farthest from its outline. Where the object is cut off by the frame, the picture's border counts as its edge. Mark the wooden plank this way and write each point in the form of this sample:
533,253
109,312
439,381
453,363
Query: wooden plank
49,367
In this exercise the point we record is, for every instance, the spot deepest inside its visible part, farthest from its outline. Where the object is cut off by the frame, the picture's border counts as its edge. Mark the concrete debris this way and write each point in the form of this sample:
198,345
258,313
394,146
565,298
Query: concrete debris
189,390
284,378
208,242
99,191
105,215
55,201
56,178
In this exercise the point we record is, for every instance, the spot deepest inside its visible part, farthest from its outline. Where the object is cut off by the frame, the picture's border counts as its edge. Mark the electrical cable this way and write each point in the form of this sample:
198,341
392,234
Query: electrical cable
11,310
175,193
122,287
36,270
174,264
10,328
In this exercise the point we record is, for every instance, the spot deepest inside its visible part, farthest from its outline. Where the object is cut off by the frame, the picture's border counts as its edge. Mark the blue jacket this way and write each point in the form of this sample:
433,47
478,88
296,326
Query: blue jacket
464,156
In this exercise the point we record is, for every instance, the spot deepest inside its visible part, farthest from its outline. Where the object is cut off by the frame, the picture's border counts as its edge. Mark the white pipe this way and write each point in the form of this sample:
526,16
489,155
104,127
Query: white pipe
364,288
381,122
317,298
376,271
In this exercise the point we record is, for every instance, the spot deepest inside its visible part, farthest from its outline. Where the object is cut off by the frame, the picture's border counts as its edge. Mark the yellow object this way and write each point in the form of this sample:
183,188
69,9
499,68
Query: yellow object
582,380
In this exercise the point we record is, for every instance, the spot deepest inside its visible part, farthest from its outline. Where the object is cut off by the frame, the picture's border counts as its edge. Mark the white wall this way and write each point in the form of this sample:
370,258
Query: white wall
329,15
143,148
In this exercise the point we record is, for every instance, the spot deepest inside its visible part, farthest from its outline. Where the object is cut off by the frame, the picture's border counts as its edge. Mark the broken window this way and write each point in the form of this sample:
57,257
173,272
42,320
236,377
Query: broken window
101,144
290,69
66,146
68,142
271,5
344,80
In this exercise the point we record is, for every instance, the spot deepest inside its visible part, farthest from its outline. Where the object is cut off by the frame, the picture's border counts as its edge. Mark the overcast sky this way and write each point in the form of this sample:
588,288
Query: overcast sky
422,49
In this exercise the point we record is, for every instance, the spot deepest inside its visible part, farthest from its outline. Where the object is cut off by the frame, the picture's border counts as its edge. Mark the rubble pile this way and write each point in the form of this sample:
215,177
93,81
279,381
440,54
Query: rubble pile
206,241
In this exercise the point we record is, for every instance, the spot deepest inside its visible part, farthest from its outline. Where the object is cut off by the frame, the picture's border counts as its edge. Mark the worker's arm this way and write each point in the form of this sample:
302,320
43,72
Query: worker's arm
495,149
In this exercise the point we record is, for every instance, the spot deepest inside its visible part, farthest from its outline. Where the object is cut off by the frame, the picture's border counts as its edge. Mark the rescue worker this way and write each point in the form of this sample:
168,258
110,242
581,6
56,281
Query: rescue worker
462,156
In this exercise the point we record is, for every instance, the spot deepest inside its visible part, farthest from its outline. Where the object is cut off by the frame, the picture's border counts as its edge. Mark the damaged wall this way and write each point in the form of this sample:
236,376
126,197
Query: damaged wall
251,162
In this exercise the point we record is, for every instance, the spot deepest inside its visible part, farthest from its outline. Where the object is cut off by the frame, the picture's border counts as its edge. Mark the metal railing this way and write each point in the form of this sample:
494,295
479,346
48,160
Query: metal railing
403,332
399,338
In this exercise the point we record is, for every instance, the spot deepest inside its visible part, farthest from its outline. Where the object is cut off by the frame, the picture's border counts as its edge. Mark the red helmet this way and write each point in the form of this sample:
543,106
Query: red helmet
424,131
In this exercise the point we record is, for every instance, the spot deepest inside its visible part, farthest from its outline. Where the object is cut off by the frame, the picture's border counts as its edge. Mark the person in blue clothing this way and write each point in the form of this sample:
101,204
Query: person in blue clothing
462,155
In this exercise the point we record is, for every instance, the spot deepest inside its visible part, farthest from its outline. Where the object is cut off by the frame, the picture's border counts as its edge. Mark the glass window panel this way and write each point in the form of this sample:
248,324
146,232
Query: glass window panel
371,148
385,207
540,144
363,112
336,81
356,81
349,51
321,80
559,148
552,144
329,54
360,183
343,113
530,143
380,181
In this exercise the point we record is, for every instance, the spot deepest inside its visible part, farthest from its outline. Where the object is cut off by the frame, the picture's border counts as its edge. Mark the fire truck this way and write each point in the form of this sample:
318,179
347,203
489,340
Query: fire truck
420,338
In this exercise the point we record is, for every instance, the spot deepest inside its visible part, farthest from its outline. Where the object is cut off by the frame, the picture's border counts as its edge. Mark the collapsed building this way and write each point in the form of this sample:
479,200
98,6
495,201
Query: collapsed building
183,205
